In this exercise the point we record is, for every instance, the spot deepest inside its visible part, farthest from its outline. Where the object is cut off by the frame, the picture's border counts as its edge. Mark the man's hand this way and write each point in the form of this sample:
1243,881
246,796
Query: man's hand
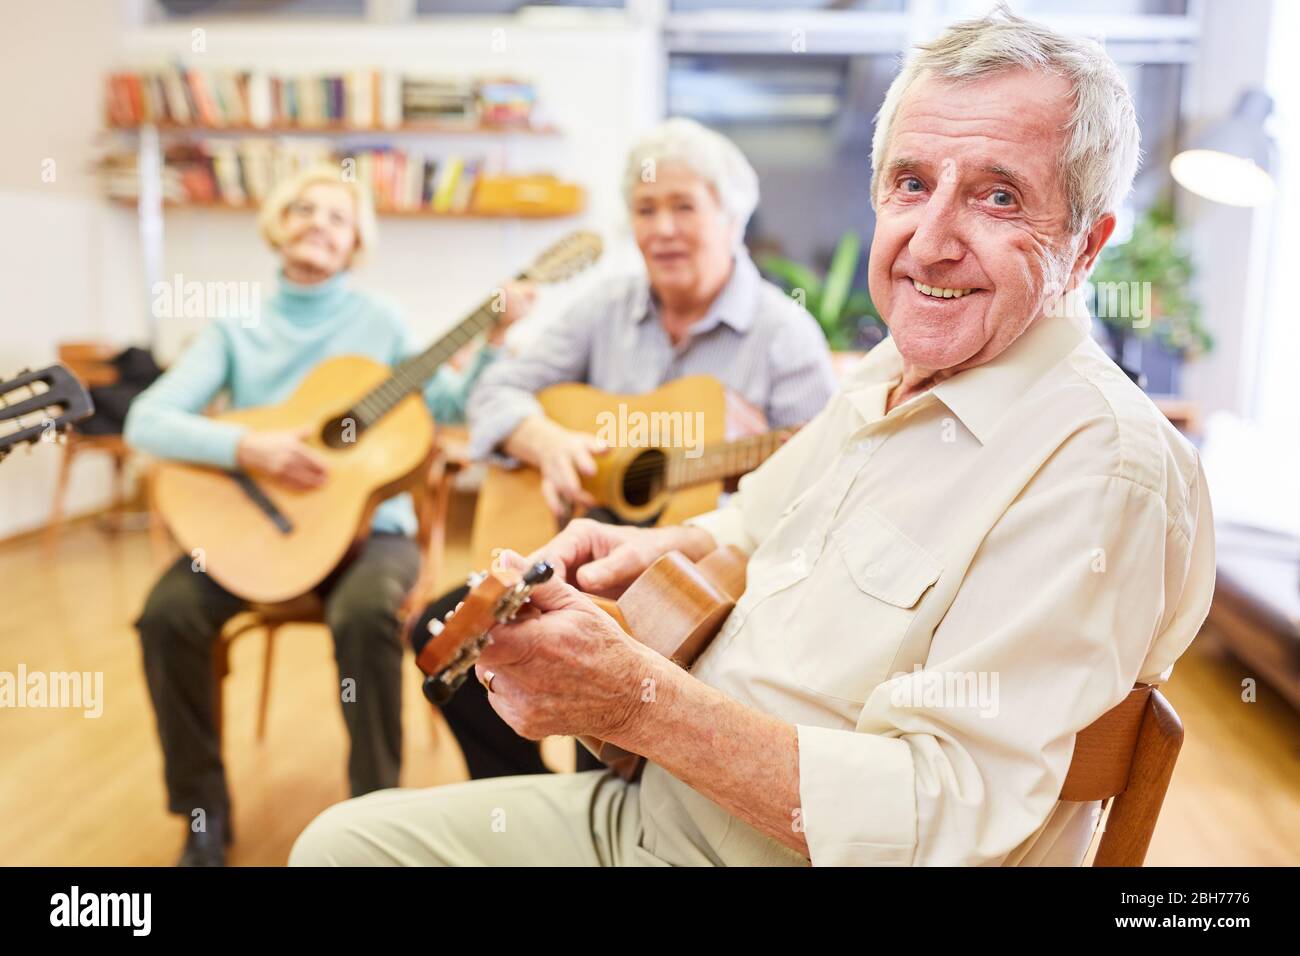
561,455
283,456
568,670
517,300
604,559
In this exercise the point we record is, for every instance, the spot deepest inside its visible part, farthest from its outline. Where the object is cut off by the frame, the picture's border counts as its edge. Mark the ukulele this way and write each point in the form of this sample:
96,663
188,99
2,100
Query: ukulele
39,406
641,481
266,542
675,607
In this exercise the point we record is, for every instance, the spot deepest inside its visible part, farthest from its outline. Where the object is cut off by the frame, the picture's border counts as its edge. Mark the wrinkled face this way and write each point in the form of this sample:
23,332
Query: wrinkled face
971,217
683,232
320,229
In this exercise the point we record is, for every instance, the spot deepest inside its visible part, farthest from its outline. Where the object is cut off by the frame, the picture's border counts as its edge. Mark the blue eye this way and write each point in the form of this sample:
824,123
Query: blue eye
1010,199
912,179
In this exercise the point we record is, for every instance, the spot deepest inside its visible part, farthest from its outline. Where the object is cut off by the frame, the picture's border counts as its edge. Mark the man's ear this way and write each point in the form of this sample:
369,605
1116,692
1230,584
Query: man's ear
1097,237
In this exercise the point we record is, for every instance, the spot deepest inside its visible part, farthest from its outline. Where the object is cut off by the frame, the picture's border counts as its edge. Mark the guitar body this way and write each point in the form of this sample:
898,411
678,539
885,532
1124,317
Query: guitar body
243,549
511,512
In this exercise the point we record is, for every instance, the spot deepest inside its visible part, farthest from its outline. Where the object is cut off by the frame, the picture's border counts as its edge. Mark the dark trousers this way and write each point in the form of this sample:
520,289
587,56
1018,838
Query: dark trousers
490,747
182,619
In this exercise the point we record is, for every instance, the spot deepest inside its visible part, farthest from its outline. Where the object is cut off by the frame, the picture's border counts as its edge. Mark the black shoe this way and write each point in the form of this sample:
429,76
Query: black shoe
207,847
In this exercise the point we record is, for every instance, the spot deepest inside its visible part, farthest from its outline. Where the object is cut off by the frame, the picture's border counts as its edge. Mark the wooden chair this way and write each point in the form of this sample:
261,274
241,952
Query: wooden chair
1126,757
425,489
91,363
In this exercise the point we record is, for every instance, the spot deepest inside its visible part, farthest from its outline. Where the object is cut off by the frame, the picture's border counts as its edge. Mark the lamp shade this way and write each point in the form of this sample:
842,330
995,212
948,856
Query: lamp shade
1232,162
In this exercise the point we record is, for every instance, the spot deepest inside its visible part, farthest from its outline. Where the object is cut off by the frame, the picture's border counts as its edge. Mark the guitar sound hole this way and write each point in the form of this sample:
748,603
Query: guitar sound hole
342,432
644,479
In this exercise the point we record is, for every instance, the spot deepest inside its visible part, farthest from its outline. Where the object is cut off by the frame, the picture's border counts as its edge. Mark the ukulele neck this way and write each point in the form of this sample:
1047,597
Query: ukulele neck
723,460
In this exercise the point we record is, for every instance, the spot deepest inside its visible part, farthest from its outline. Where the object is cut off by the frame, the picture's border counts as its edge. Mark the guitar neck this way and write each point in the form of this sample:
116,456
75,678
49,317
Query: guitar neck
723,460
414,373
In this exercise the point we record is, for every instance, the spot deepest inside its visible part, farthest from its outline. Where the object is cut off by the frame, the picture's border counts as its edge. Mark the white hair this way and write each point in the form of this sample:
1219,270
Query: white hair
1101,151
716,159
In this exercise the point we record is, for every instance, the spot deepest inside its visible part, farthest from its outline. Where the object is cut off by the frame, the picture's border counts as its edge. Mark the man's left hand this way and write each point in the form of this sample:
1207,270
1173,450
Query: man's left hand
568,669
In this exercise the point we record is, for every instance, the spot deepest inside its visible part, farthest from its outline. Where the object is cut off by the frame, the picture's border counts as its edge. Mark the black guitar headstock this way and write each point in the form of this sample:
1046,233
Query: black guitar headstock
39,406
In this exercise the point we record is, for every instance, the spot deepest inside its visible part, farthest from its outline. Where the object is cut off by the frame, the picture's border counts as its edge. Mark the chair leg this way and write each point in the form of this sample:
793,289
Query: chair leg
220,668
54,528
267,659
117,504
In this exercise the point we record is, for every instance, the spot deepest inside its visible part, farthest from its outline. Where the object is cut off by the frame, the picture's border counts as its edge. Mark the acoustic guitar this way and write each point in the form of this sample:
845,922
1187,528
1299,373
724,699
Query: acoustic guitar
648,475
675,607
266,542
38,406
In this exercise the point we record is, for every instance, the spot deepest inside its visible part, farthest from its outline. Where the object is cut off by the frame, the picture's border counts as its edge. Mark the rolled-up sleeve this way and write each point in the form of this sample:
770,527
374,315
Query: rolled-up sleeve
505,393
962,760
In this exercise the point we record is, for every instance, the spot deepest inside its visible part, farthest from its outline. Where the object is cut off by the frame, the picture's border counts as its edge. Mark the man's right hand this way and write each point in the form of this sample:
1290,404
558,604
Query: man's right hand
561,455
284,456
604,559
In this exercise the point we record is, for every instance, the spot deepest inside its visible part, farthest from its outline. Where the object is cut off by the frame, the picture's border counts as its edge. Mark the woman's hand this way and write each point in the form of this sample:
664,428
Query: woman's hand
284,456
561,455
604,559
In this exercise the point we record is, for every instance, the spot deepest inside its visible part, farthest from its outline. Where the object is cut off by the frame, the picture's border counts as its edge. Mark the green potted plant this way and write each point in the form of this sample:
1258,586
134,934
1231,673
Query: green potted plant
1154,254
846,315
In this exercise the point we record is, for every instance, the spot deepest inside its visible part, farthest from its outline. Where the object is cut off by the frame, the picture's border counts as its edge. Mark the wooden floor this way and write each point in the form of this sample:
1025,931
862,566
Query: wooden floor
82,791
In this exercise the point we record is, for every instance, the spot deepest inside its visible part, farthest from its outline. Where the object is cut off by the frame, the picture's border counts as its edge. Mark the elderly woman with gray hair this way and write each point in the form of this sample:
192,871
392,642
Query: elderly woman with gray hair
700,307
319,225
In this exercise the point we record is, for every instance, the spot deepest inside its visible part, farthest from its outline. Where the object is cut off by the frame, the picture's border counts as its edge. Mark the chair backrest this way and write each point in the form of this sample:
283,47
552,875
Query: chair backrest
1127,755
90,361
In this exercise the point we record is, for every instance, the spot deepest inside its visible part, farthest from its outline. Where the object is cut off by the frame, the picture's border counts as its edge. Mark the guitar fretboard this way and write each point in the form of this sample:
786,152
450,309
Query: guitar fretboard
724,460
411,375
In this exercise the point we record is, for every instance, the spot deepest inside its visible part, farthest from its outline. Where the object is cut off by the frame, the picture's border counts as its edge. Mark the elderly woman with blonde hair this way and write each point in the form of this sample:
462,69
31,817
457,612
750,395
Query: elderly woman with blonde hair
320,226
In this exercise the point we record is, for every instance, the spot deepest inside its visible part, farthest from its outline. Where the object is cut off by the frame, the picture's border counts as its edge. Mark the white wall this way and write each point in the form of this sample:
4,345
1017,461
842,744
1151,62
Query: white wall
74,268
55,264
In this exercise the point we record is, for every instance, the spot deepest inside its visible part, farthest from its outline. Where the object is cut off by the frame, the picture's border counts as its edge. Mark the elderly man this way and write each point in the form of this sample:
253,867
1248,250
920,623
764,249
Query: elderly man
988,497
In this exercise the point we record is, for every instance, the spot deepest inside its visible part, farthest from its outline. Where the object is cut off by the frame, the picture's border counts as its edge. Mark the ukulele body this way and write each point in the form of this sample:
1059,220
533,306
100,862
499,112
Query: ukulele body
242,547
675,608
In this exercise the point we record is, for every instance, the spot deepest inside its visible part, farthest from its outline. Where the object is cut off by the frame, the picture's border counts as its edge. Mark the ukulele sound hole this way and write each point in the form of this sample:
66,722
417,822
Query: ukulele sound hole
342,432
645,477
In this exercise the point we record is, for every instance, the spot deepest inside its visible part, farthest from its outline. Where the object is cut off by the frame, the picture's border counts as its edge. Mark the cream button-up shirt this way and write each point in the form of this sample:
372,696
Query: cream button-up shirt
940,597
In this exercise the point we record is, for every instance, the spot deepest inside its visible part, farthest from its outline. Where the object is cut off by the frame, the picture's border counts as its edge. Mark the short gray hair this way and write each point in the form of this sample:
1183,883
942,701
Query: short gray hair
1101,151
716,159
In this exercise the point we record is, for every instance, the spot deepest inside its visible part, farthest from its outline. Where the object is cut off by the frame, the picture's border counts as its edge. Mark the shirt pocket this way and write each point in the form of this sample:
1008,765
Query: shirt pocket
863,597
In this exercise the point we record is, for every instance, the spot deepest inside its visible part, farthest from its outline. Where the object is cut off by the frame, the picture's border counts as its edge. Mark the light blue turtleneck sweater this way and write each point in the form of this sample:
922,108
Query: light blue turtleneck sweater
300,326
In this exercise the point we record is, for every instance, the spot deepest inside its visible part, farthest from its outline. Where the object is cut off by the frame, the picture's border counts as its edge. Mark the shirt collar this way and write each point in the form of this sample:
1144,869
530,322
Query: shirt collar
978,396
735,305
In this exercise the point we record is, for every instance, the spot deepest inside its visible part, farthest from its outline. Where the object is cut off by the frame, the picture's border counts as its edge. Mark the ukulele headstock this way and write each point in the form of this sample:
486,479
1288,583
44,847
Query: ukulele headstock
454,645
566,258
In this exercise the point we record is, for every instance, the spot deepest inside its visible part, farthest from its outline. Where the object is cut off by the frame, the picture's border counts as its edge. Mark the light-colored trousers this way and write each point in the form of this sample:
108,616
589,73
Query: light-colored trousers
569,819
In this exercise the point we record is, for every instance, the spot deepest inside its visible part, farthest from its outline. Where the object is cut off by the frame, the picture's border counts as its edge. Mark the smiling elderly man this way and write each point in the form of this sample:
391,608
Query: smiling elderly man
988,499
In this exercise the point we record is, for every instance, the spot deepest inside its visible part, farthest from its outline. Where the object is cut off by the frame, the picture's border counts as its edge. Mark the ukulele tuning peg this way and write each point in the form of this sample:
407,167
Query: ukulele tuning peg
475,579
435,627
